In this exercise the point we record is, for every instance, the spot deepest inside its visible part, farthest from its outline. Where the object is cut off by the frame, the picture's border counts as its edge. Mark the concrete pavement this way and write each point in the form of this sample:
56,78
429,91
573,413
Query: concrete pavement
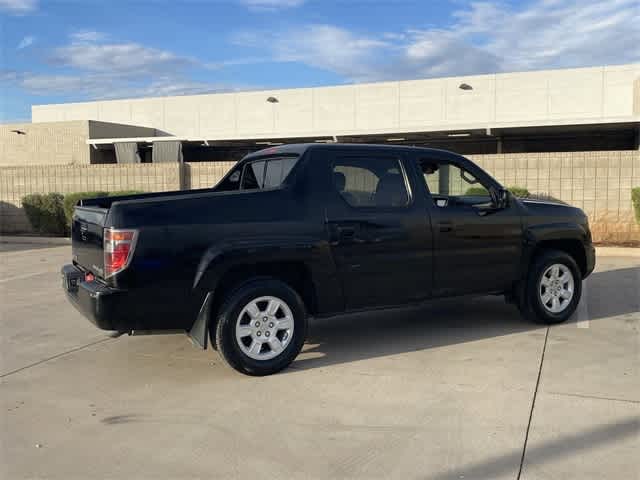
446,391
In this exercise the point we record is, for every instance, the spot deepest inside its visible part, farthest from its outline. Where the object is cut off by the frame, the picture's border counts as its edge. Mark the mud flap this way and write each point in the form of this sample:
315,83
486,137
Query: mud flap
199,330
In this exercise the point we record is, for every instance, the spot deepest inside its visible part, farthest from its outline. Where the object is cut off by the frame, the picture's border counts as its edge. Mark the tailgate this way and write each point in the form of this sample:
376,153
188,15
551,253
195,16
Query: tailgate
87,238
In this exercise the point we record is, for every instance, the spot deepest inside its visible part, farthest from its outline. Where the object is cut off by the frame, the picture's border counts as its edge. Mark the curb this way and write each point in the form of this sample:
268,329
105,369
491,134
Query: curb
33,240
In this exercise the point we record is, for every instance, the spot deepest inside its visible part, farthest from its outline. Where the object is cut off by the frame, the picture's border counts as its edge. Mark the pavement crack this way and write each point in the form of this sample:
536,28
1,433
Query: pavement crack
45,360
533,405
595,397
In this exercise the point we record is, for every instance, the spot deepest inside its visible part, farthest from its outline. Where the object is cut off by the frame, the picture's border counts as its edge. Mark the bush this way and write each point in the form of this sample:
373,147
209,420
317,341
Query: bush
45,213
122,193
520,192
517,191
71,199
635,199
476,191
51,213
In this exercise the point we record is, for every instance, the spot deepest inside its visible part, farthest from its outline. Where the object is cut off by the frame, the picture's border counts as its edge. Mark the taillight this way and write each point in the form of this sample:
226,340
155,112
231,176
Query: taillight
118,249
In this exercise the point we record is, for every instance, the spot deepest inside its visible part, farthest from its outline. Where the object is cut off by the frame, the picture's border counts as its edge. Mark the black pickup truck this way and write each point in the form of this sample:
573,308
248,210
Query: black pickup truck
301,231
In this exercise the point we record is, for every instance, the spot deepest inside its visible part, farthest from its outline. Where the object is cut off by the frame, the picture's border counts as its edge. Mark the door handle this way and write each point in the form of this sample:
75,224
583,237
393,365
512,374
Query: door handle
346,232
445,226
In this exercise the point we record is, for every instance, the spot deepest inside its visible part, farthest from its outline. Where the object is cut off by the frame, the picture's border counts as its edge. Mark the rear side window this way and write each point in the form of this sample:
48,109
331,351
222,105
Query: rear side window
370,181
253,177
269,173
277,171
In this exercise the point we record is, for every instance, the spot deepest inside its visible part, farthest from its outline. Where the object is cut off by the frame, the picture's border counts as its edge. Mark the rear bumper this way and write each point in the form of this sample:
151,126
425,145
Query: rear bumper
102,305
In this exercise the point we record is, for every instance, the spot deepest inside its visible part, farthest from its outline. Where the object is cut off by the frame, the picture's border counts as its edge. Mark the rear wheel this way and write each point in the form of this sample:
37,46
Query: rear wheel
261,327
553,288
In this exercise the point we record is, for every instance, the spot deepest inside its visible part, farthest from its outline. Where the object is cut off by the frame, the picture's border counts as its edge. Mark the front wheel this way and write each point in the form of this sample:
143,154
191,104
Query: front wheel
553,288
261,327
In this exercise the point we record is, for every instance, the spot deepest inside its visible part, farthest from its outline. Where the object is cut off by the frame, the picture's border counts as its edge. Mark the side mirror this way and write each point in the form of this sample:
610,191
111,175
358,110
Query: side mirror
500,197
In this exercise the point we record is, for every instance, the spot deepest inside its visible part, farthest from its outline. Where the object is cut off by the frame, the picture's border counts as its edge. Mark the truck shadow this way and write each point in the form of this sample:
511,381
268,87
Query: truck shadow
353,337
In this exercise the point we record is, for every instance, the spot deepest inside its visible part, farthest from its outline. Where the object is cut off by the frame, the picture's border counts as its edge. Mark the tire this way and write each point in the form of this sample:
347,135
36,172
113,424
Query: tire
532,303
245,314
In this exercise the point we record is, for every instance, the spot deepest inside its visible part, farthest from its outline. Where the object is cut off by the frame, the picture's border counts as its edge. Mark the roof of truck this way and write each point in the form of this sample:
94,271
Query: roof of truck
300,148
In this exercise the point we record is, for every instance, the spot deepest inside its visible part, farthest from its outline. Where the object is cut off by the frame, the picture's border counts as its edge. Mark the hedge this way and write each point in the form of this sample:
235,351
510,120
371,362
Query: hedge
520,192
71,200
45,213
121,193
51,213
635,199
476,191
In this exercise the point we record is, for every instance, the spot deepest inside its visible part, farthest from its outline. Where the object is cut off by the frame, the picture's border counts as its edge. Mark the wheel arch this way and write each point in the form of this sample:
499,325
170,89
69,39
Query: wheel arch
224,279
568,238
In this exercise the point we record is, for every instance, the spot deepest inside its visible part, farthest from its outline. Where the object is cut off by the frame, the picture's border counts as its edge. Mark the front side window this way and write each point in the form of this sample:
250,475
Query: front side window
450,185
370,182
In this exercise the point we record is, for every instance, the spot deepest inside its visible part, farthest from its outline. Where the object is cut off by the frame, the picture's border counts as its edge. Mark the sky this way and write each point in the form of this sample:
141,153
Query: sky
79,50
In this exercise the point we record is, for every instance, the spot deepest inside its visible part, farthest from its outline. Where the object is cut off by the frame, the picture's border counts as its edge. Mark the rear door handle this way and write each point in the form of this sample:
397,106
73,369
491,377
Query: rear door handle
445,226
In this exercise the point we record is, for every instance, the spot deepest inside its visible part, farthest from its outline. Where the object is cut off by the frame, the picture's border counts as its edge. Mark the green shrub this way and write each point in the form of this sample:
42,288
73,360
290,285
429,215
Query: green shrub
520,192
45,213
476,191
635,199
517,191
71,199
122,193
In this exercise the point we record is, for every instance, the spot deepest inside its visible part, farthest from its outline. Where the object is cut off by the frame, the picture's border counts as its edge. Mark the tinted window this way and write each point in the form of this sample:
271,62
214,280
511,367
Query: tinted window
277,171
253,176
269,173
370,182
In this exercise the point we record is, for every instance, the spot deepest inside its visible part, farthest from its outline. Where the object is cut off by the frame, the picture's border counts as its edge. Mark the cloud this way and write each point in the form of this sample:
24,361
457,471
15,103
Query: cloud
88,67
324,46
271,4
86,53
554,33
105,86
87,36
18,7
485,37
26,42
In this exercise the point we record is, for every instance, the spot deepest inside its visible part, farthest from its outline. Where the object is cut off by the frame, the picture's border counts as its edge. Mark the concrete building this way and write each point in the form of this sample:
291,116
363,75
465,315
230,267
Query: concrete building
581,109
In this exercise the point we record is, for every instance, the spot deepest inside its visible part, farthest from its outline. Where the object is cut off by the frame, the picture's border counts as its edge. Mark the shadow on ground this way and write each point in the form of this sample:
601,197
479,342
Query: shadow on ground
562,447
354,337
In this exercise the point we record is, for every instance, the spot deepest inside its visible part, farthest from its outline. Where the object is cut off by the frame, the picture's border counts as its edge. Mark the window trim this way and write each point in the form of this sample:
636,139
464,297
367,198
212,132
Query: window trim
403,172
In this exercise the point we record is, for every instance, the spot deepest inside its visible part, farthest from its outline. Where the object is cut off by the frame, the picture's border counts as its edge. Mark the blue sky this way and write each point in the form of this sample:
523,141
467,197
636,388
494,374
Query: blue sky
74,50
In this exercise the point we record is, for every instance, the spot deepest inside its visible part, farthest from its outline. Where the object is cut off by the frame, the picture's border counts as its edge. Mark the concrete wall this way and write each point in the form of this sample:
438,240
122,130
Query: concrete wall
598,182
16,182
205,174
508,99
53,143
60,143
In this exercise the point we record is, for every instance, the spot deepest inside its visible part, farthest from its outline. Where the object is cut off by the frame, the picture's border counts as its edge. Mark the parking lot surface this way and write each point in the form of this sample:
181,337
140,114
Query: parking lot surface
456,389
